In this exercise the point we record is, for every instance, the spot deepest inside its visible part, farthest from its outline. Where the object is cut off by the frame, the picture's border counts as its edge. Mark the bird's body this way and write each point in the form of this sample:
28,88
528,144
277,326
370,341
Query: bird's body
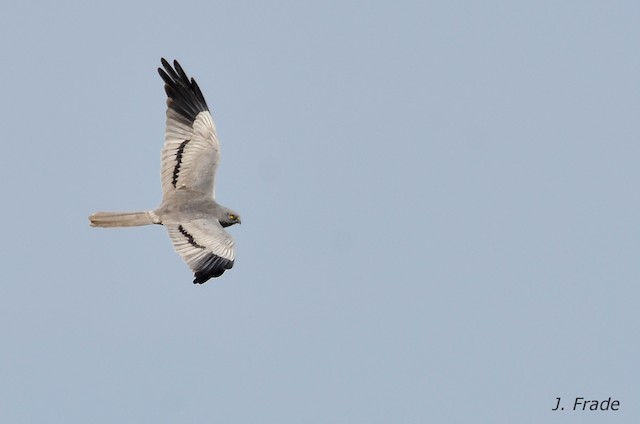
190,156
183,205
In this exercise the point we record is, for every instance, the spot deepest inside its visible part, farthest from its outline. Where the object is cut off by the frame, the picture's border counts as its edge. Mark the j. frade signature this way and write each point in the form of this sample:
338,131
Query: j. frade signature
580,404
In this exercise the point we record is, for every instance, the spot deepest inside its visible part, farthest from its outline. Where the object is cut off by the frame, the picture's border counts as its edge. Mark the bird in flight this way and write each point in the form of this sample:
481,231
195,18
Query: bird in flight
190,157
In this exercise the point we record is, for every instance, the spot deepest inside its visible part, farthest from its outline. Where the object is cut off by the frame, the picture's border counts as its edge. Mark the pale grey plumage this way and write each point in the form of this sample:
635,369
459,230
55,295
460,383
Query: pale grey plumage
190,158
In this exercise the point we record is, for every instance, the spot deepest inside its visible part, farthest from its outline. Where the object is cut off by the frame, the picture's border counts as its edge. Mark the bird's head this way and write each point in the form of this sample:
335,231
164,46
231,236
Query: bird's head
228,217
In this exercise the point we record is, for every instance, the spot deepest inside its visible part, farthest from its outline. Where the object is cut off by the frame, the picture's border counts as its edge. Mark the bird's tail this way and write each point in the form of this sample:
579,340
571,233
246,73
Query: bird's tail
123,219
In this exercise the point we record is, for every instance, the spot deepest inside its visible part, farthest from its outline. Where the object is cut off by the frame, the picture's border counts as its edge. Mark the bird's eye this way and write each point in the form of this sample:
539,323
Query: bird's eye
232,217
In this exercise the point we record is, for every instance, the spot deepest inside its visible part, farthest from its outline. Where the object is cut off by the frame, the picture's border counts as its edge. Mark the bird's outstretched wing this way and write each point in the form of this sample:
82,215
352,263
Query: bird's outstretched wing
205,247
191,149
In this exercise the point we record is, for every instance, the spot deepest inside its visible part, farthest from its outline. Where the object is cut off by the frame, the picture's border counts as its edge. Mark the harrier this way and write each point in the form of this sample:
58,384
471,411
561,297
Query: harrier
190,157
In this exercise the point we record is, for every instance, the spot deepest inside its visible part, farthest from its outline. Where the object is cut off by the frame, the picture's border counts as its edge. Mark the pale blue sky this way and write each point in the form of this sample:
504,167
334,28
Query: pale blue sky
439,203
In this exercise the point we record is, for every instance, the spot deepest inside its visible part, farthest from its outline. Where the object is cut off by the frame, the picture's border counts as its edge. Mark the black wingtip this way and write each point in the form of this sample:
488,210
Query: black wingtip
184,95
204,276
213,268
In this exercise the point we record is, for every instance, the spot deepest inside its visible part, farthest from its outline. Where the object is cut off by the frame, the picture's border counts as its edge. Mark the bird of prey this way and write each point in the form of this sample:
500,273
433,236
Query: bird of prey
190,156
